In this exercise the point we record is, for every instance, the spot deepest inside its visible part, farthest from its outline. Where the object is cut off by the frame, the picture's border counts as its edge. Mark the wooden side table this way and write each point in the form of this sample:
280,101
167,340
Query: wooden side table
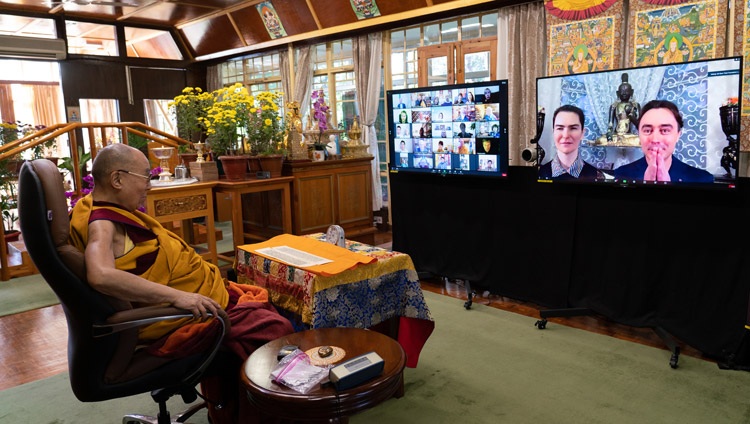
324,404
183,203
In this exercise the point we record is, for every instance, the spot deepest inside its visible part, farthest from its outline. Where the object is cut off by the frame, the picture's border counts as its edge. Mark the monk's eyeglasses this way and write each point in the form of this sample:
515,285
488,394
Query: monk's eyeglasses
145,177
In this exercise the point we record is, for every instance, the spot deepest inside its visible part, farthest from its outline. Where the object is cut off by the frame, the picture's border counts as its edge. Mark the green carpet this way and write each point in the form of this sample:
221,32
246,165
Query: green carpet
25,293
489,366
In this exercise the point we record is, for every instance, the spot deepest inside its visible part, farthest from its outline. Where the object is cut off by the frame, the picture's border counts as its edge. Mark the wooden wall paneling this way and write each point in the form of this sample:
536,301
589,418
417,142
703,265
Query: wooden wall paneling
251,26
153,83
170,13
295,16
334,12
222,36
92,79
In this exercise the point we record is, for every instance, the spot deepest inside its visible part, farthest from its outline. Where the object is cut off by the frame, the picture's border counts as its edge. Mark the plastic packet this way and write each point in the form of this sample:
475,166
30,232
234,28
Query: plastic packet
296,372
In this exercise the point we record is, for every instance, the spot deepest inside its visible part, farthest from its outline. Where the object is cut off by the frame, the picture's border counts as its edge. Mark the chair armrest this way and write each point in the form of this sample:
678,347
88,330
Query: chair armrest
133,318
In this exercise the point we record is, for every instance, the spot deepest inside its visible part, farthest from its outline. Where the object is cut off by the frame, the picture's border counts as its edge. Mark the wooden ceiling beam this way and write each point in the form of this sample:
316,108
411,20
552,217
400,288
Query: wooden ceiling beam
314,15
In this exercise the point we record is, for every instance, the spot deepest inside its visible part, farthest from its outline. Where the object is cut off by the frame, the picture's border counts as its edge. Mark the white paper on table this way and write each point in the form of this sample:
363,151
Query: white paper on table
293,256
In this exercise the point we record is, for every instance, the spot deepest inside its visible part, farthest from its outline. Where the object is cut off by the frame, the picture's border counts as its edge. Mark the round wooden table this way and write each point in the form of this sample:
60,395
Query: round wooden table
324,403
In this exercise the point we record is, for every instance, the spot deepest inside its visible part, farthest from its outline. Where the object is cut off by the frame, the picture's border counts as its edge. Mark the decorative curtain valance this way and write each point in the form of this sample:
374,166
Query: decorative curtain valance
575,10
666,2
585,45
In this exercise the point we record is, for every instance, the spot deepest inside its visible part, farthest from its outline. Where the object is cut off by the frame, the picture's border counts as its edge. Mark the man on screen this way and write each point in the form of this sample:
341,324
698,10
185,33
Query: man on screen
659,129
567,132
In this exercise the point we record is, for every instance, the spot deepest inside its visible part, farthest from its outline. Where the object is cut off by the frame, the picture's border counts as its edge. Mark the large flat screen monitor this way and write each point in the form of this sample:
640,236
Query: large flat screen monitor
457,129
632,141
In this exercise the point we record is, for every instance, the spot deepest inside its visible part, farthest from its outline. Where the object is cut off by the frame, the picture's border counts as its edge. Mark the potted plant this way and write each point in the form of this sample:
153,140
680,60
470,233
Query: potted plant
189,109
8,134
44,150
9,205
229,112
265,132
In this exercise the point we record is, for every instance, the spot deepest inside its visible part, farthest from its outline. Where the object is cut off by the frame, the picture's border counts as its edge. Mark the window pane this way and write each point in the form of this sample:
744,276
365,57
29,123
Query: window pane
157,115
489,25
397,63
437,71
27,26
319,57
431,34
346,95
151,43
91,39
28,70
449,32
412,38
397,39
342,54
470,28
477,66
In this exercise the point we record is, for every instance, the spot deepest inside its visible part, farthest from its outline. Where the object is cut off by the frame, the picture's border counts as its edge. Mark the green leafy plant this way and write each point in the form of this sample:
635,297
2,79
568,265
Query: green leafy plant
229,112
8,204
265,129
66,163
137,141
190,109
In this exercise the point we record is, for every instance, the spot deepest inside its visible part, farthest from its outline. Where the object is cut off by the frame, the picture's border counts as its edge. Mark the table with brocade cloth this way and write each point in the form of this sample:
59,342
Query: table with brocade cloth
361,296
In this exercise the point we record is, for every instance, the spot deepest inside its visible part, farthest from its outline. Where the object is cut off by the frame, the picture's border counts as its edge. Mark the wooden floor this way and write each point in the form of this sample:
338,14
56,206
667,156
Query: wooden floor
34,343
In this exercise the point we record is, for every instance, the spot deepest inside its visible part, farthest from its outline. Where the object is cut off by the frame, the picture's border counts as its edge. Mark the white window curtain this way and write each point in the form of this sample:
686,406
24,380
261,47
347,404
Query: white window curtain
48,105
521,31
368,54
6,103
301,90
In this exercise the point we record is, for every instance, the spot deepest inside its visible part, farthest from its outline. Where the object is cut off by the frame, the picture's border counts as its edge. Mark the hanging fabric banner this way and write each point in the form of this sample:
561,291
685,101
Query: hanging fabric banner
271,19
742,46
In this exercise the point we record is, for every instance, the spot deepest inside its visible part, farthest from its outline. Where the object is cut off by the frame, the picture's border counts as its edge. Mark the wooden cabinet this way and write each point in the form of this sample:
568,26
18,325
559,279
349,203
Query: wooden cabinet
183,203
333,192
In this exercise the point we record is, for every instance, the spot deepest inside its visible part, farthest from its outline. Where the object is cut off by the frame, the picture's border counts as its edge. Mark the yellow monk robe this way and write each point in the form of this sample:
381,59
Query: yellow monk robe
158,255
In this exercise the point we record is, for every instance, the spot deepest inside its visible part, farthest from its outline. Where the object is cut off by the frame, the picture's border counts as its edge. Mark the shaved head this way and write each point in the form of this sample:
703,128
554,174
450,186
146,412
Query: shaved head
113,157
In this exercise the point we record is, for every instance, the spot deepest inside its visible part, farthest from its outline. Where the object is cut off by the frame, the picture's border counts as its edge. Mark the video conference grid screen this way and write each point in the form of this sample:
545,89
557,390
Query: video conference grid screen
450,130
699,89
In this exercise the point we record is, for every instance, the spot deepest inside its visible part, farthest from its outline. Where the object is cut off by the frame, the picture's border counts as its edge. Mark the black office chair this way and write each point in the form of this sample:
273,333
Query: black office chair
103,360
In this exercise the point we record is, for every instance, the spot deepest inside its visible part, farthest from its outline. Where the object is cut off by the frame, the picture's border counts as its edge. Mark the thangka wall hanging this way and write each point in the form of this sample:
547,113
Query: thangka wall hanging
741,21
581,37
271,19
365,8
742,46
669,31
